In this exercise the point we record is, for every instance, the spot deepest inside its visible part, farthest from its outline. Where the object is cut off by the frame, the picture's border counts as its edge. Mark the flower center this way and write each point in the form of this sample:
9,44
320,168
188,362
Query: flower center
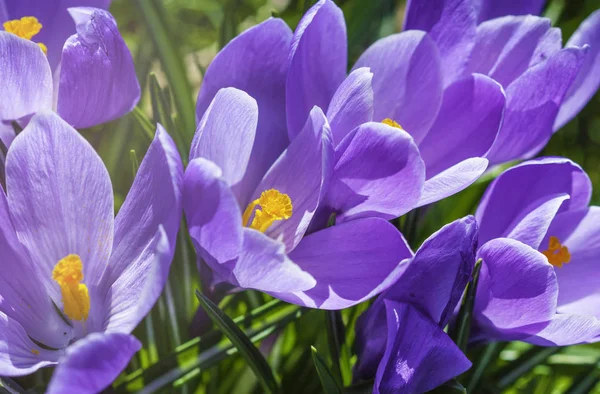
68,273
273,205
392,122
26,27
557,254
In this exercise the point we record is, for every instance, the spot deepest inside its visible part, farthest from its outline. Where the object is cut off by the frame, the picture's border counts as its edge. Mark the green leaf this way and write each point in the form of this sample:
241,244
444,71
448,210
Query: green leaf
328,381
450,387
586,382
530,359
335,339
144,122
490,353
462,329
253,356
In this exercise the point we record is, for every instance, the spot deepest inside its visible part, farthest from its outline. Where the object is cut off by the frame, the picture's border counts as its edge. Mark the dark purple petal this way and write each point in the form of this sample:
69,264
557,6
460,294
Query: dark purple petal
451,24
532,103
407,80
92,363
467,124
506,47
318,60
7,134
97,80
588,80
517,287
351,262
26,82
523,200
489,9
352,104
225,135
256,62
419,355
302,172
378,173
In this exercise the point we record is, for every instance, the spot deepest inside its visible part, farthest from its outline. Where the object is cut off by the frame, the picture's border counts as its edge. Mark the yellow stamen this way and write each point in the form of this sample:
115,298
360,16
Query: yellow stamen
273,205
35,351
68,273
557,254
26,27
43,47
391,122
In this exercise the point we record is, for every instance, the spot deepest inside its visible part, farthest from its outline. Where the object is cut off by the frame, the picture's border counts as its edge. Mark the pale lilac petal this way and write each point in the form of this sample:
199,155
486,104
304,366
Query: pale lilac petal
26,82
93,363
97,81
489,9
407,80
564,330
318,60
588,80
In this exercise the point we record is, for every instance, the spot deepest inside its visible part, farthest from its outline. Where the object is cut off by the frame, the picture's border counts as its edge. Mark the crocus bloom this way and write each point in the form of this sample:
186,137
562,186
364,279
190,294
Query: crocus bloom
88,79
545,85
400,340
76,279
540,243
248,210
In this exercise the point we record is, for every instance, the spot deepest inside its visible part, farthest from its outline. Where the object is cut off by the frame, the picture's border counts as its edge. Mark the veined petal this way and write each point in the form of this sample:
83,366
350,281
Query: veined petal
97,81
7,134
407,80
489,9
93,363
318,59
565,330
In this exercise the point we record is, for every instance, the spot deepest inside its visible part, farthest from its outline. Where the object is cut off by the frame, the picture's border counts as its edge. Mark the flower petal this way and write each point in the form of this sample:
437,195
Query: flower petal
588,80
318,60
489,9
467,124
565,330
451,24
352,104
517,287
532,103
351,262
256,62
97,80
419,355
232,116
26,82
379,172
92,363
407,80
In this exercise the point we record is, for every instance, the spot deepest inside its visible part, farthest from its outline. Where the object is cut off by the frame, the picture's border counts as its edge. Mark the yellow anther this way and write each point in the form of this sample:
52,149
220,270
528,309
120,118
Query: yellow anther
273,205
35,351
26,27
43,48
557,254
392,122
68,273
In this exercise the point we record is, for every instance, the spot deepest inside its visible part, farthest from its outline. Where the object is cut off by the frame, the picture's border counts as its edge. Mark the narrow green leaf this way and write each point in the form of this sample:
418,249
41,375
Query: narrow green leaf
365,387
585,382
253,356
144,122
335,339
462,330
490,353
450,387
525,363
134,161
328,381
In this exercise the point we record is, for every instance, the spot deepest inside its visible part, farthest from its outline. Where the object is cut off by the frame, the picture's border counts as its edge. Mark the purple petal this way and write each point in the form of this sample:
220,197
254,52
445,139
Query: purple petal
452,180
564,330
97,78
517,287
506,47
57,24
302,172
588,79
92,363
407,80
352,104
530,193
26,82
351,262
256,62
467,124
318,59
232,116
379,172
7,134
419,355
451,24
60,197
532,103
489,9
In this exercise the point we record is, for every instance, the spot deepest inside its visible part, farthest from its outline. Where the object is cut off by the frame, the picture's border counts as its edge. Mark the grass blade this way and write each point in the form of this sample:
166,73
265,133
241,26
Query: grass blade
462,329
328,381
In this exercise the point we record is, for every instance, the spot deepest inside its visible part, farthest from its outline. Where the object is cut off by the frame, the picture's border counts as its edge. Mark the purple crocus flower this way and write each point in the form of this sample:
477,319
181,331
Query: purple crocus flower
88,79
545,85
249,210
400,340
76,279
540,243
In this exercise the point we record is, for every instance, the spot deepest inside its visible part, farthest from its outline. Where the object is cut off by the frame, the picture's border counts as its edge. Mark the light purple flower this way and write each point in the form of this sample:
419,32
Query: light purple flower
540,243
249,211
76,279
88,79
400,339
